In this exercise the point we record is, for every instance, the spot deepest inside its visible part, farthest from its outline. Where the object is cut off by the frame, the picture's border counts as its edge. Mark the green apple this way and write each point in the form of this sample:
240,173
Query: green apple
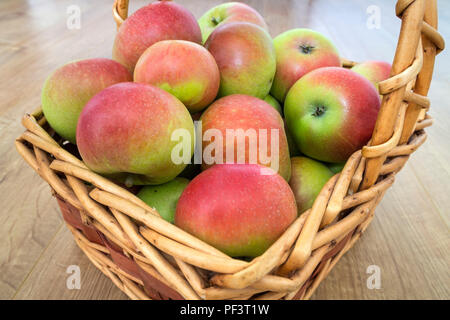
335,167
307,179
274,103
164,197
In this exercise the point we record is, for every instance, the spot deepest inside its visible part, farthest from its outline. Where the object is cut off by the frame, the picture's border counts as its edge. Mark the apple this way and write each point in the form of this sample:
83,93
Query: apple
335,167
236,209
274,103
246,58
67,90
250,115
185,69
298,52
331,113
128,127
293,149
164,197
307,179
228,12
161,20
374,71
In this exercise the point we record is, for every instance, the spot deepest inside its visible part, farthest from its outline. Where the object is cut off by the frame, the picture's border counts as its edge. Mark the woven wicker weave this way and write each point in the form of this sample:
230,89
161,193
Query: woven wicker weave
149,258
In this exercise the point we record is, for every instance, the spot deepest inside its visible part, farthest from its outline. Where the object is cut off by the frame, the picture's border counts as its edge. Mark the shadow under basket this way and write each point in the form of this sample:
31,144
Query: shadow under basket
149,258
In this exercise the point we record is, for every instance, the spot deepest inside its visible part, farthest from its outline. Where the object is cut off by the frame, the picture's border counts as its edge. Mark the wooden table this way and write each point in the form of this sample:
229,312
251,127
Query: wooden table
409,239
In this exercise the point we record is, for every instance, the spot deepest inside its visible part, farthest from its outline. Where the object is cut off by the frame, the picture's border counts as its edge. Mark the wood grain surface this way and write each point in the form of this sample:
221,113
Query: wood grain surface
409,239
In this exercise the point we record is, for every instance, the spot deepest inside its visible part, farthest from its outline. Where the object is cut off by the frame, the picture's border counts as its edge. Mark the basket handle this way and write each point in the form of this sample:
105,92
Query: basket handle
120,11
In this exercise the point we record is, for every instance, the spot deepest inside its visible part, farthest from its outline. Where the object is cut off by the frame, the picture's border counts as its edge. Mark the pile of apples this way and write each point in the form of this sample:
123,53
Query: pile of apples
127,116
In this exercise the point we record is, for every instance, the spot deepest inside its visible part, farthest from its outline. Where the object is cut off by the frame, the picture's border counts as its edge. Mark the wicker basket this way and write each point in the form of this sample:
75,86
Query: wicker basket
149,258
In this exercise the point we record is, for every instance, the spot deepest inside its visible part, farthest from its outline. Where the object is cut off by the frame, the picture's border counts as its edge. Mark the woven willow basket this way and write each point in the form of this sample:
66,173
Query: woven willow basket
149,258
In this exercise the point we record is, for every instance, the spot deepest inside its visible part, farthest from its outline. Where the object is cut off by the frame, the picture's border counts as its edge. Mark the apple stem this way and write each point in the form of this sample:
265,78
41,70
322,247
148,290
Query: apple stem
215,21
320,110
306,49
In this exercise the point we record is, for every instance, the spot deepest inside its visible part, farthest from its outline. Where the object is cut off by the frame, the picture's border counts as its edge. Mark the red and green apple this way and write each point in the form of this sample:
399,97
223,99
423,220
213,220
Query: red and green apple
331,113
246,58
236,209
298,52
228,12
127,130
160,20
185,69
67,90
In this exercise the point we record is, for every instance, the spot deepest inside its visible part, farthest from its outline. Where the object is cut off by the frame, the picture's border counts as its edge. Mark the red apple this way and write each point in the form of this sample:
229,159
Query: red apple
236,209
331,113
182,68
67,90
161,20
246,58
300,51
374,71
126,130
255,119
229,12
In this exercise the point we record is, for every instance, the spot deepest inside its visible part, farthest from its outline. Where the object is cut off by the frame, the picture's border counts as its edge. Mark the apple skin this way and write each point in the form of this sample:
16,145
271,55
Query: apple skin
185,69
246,58
274,103
331,113
161,20
298,52
236,209
67,90
229,12
164,197
374,71
307,179
246,112
127,128
335,167
293,149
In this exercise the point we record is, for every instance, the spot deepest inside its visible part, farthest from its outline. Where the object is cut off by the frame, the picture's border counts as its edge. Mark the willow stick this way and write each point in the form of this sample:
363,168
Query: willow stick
100,182
264,263
153,222
158,262
192,256
303,246
340,191
412,18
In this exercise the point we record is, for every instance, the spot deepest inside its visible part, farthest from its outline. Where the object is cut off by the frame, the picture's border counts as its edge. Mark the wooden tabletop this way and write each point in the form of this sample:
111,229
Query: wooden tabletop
407,244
